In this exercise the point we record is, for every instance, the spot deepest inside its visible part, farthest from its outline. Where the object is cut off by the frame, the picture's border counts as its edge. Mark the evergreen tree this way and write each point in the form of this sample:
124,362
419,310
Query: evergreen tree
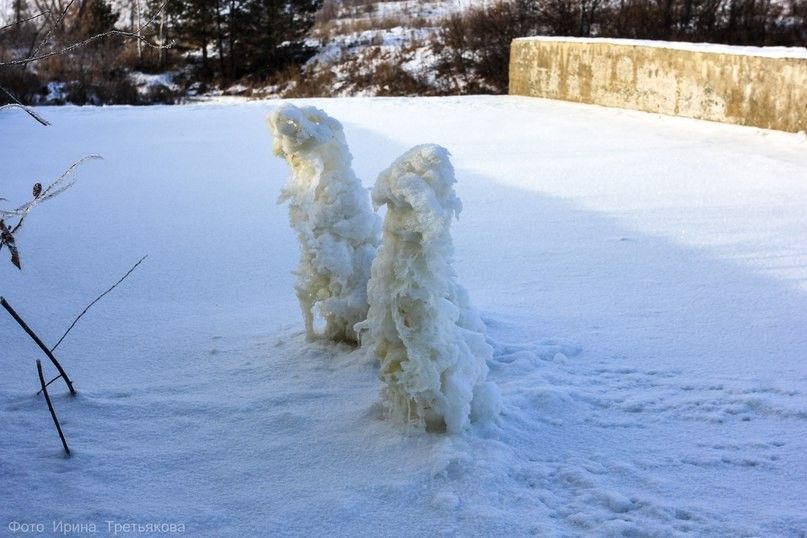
95,17
245,36
194,27
275,33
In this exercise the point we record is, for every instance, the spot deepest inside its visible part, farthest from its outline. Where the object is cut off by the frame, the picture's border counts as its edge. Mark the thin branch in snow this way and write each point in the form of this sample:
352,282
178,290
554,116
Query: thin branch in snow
38,342
49,383
115,285
85,311
50,406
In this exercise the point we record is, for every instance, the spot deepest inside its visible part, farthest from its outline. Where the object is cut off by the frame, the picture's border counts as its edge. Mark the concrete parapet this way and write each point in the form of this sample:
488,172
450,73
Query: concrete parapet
758,86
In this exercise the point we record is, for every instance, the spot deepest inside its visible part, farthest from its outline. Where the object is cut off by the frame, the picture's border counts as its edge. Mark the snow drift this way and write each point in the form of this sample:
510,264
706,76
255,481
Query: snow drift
330,211
421,326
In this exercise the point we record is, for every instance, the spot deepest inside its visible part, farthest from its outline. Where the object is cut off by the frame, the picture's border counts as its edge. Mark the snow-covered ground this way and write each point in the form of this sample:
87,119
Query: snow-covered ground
356,43
643,280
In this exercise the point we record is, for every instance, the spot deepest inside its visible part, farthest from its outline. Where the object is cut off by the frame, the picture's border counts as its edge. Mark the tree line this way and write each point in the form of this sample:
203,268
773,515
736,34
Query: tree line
204,41
215,43
236,38
473,47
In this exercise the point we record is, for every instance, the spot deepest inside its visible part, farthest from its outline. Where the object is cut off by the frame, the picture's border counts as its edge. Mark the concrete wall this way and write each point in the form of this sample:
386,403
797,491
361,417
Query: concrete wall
745,85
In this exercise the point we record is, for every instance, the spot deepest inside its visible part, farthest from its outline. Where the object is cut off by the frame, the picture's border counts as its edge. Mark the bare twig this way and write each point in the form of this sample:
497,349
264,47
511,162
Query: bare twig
136,35
23,21
120,33
129,272
115,285
58,377
50,406
38,342
35,49
61,184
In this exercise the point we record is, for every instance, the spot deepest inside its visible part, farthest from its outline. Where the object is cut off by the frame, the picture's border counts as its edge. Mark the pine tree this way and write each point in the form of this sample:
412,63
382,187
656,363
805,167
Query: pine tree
246,36
194,27
95,17
275,33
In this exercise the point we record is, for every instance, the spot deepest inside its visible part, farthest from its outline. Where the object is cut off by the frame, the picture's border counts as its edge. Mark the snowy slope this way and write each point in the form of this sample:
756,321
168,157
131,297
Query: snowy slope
643,280
371,49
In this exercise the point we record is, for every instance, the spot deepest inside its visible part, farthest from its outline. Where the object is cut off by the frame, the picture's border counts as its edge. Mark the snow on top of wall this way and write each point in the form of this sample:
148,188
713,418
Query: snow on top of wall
767,52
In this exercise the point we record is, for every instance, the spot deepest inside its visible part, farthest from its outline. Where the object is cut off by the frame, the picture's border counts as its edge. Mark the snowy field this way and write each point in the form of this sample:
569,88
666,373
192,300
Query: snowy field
643,280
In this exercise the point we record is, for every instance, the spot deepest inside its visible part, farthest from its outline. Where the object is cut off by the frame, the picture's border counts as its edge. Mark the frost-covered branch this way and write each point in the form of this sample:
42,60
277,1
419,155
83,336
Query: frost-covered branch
23,21
136,34
28,110
36,48
17,104
58,186
61,184
79,44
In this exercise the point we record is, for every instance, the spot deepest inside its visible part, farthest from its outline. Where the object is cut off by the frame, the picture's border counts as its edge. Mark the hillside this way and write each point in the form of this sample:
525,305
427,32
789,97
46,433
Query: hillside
379,48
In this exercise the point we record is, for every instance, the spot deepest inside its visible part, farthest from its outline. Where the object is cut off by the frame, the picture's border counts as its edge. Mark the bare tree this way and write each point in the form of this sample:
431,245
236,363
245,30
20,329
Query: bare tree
53,13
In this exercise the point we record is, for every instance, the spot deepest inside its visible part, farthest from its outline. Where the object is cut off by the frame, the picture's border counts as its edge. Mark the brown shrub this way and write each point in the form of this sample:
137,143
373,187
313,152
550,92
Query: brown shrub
474,47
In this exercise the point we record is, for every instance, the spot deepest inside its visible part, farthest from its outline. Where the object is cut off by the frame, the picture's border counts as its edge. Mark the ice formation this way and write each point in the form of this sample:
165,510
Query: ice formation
421,325
331,213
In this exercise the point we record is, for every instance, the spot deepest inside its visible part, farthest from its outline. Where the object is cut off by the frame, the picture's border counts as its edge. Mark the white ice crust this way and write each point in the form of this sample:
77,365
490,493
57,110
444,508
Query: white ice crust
421,326
331,213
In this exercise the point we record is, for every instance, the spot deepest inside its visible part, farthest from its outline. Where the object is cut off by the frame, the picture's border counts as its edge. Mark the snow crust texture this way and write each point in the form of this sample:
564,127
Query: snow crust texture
421,325
331,214
642,279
